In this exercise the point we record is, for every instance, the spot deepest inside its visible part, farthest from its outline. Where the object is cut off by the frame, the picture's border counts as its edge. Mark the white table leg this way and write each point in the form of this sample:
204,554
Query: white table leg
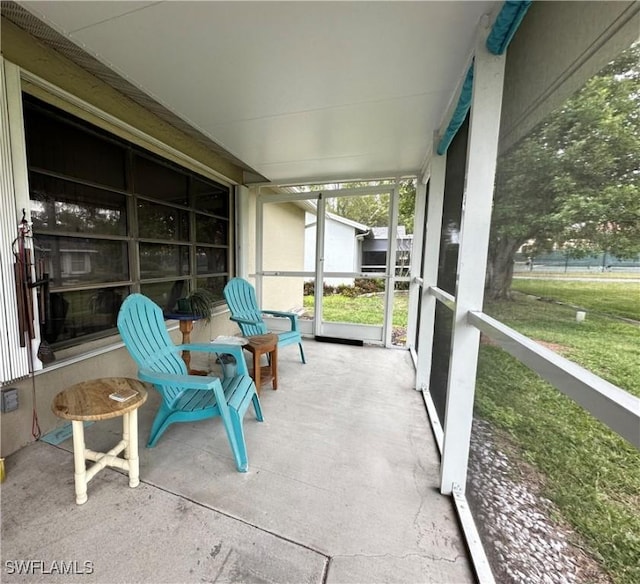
79,462
132,449
125,434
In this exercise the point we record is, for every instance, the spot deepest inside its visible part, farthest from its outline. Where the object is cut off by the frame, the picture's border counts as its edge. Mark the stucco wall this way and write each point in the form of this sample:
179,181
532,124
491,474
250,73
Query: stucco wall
16,425
21,49
283,249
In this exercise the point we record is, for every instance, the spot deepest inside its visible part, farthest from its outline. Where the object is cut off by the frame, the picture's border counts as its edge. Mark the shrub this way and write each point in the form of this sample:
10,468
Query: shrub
309,289
361,286
346,290
328,290
369,285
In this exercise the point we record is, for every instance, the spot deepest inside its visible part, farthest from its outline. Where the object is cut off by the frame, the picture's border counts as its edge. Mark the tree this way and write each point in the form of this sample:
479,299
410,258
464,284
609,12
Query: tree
370,210
373,210
407,204
574,182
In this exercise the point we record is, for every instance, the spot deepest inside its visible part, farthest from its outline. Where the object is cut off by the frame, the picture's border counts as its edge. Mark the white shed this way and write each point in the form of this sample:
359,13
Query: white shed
343,241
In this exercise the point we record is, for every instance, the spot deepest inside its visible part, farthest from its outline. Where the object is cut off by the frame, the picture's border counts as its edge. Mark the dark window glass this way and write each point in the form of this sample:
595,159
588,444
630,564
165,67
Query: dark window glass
74,261
158,181
374,261
211,197
166,294
162,222
215,285
83,313
62,205
59,146
211,260
159,260
99,203
211,230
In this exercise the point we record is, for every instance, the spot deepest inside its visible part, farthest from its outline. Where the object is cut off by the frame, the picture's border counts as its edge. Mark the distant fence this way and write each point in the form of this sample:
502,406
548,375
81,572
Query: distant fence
559,262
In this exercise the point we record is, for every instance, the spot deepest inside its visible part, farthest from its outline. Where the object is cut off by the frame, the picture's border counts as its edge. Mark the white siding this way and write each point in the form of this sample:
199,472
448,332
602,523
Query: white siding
340,253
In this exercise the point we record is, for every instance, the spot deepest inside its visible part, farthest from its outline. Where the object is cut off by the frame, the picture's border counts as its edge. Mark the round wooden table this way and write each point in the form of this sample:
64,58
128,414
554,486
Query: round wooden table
90,400
259,345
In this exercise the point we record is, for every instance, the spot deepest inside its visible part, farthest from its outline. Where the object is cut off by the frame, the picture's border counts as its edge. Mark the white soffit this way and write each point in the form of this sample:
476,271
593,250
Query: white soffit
297,90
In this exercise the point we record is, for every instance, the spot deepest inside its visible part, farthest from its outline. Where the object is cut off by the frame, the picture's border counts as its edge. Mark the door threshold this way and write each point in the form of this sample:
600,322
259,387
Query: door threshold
338,340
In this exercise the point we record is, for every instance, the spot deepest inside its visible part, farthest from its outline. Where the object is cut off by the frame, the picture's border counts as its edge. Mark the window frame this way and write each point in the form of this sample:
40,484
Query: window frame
135,281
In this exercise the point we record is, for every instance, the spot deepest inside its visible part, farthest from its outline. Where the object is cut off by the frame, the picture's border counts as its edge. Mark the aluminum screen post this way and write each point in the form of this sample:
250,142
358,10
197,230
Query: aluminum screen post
431,251
482,152
416,262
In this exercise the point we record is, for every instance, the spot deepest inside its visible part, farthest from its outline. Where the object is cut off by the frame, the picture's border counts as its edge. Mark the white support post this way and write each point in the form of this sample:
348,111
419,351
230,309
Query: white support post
482,152
392,252
416,261
242,231
259,245
431,251
319,282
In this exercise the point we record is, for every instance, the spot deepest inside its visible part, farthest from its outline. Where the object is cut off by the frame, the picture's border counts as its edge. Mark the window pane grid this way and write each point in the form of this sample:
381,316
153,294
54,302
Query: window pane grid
129,222
78,181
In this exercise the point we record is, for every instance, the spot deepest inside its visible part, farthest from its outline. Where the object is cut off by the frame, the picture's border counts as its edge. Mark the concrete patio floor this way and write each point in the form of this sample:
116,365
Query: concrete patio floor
342,488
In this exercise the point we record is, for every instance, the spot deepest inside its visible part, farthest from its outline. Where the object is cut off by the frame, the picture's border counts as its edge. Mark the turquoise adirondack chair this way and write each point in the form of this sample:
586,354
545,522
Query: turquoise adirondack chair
241,299
186,398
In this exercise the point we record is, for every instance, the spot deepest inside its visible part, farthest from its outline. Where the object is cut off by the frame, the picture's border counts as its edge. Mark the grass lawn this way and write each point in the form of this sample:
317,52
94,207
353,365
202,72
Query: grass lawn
615,298
367,309
591,274
592,474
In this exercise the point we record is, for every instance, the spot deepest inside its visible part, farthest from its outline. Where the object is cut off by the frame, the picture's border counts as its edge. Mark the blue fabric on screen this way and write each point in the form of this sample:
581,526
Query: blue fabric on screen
506,25
460,113
502,31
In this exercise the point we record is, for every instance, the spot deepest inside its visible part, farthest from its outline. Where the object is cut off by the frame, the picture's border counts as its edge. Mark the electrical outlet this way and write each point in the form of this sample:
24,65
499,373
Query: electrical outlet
9,401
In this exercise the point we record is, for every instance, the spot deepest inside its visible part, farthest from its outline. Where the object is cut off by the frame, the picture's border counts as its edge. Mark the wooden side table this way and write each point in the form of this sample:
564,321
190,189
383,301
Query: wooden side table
186,326
90,400
259,345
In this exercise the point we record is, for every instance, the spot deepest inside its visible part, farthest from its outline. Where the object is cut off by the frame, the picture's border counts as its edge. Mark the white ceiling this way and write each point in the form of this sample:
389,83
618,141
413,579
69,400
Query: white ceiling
298,91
